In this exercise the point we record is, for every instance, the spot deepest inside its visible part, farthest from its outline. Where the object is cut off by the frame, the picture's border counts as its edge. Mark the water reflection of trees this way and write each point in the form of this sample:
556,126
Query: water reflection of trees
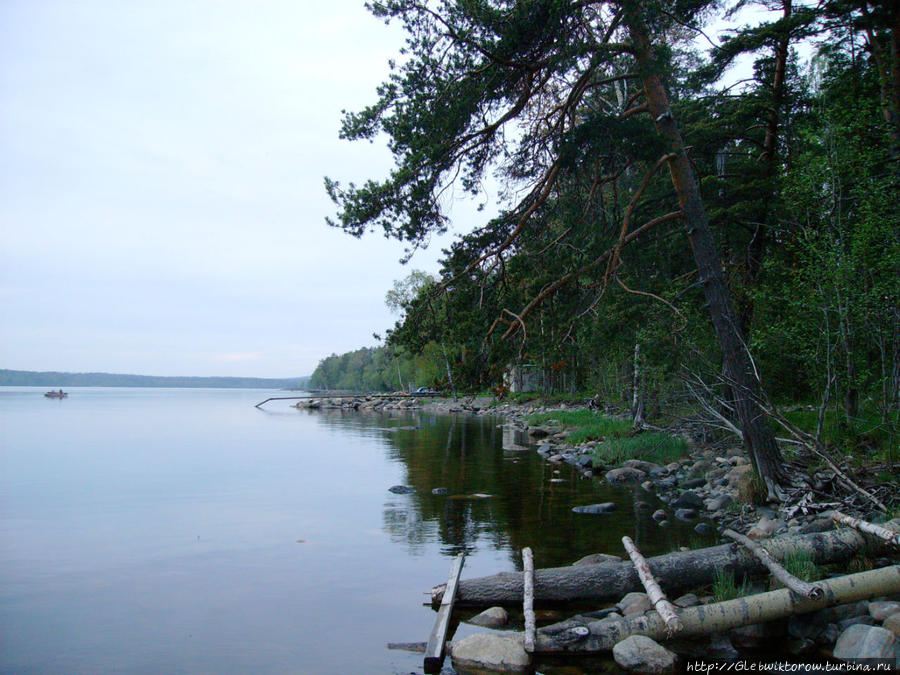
531,500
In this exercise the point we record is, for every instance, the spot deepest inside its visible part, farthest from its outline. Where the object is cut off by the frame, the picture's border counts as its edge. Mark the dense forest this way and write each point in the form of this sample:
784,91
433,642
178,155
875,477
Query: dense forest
672,238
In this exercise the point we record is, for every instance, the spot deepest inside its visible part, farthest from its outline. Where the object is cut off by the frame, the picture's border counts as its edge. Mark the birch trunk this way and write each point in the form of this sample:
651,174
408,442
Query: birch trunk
707,619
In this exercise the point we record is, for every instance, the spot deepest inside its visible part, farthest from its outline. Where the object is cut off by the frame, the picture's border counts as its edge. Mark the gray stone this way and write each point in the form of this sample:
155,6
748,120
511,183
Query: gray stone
892,623
864,620
624,475
693,483
502,653
659,515
401,489
641,654
640,465
716,647
719,502
689,500
494,617
866,642
440,491
635,603
703,528
538,432
606,507
686,600
882,610
764,529
597,558
686,514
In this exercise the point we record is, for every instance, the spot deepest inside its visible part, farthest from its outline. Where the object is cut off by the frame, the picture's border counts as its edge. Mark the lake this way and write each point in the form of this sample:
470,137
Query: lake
185,531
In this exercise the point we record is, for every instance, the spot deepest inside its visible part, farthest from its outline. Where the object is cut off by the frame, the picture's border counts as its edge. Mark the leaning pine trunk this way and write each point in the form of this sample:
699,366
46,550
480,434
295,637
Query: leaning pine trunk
757,435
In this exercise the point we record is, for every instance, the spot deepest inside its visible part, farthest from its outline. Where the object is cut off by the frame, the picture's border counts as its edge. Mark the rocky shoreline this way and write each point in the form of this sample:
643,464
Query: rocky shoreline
708,486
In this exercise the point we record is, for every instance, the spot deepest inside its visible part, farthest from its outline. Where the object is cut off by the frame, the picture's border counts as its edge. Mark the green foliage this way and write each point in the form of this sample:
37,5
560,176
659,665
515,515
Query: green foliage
801,565
593,424
798,172
659,448
726,588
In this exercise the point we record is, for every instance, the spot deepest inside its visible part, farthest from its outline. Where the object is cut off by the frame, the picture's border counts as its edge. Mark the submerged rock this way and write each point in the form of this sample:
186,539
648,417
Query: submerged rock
401,489
606,507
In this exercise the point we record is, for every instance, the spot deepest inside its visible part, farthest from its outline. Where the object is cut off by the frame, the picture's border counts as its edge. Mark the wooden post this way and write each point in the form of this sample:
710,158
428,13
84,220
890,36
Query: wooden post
798,586
665,608
528,599
868,528
434,650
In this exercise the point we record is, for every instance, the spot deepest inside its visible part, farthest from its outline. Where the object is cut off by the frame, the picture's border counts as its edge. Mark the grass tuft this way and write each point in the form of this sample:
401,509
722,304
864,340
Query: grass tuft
659,448
726,588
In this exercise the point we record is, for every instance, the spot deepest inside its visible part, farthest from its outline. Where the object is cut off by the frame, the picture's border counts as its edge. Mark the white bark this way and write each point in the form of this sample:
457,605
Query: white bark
665,608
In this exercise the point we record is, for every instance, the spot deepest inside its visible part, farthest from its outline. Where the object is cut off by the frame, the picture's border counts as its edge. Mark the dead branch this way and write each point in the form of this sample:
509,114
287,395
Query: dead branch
798,586
869,528
666,610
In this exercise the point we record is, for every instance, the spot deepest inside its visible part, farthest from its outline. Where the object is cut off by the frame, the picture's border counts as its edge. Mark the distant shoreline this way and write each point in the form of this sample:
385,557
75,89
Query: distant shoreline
54,379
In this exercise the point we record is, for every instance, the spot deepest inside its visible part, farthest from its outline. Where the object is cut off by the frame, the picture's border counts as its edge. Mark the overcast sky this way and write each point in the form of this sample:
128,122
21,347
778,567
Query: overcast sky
162,208
161,185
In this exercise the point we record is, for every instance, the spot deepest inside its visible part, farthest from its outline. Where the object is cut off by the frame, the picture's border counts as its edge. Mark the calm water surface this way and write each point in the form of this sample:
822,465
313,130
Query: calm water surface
185,531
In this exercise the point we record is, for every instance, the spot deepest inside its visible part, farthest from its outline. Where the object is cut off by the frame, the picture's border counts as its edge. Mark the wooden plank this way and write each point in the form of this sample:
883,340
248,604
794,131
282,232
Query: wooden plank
434,650
528,599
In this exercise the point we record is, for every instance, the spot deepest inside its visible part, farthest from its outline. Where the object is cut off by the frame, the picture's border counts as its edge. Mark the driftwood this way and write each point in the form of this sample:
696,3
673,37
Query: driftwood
665,608
675,571
798,586
887,535
590,635
434,650
528,602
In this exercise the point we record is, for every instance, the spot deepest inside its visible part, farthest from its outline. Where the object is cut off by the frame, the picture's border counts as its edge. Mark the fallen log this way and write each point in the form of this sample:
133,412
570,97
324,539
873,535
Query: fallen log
590,635
889,536
676,571
787,579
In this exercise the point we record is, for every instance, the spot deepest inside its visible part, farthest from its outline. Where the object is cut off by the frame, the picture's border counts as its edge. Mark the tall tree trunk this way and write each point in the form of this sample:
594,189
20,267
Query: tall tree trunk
756,249
739,367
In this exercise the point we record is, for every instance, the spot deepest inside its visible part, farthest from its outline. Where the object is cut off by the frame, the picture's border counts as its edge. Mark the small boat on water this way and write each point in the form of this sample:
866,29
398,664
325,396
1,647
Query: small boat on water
55,394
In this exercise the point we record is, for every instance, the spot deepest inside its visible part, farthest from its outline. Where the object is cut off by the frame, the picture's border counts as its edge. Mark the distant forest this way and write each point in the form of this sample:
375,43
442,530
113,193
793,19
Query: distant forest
55,379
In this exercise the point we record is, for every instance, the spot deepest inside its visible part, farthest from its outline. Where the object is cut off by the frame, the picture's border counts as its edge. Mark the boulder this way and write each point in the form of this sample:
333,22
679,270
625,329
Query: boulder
866,642
641,465
625,474
495,617
401,489
659,515
892,623
764,529
882,610
640,654
718,502
689,500
501,653
635,603
686,514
